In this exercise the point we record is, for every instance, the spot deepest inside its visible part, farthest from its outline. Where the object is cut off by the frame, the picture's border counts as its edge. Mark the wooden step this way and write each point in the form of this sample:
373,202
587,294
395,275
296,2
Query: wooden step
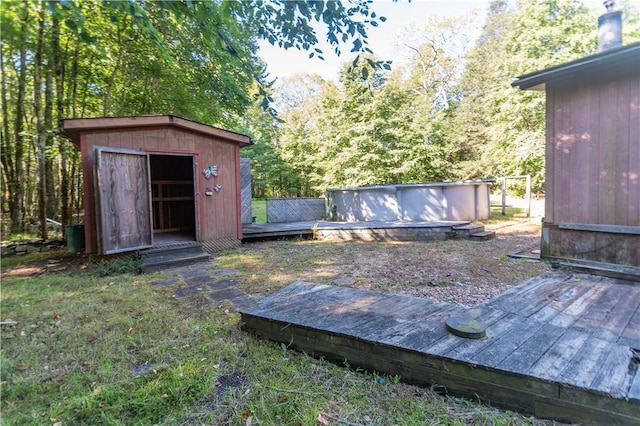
470,228
465,232
157,259
483,236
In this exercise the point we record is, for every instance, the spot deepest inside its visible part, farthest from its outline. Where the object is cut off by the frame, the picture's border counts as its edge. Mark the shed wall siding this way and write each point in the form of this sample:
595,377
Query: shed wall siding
218,212
593,152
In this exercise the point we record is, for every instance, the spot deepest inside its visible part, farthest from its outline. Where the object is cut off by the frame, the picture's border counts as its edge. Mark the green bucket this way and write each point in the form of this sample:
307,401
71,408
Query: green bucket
75,237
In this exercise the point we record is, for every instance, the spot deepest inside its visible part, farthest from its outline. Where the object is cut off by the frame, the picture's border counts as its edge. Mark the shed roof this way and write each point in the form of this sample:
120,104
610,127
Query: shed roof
73,127
614,59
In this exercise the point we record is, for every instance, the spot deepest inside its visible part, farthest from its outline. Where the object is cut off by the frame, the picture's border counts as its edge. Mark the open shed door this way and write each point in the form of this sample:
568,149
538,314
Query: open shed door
123,200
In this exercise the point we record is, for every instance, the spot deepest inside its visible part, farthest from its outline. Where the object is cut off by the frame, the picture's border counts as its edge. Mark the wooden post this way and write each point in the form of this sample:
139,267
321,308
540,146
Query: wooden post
504,196
527,194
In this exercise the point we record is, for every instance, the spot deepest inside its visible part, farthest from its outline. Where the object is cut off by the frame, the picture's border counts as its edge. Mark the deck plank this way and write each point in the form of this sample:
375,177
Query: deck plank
559,355
358,316
617,320
572,297
631,334
613,377
521,330
586,364
301,297
607,302
532,349
584,301
525,299
412,319
293,290
414,333
426,332
634,389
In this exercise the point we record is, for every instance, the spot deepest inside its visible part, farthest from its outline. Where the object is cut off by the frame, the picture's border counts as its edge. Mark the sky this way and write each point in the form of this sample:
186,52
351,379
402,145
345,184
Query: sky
384,40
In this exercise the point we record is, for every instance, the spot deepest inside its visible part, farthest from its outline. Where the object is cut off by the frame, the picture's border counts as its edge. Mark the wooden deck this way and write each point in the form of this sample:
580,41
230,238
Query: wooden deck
257,231
388,231
367,231
564,346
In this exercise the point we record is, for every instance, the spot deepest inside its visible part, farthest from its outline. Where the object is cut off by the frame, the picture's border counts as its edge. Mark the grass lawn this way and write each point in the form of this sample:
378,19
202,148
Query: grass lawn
90,349
259,210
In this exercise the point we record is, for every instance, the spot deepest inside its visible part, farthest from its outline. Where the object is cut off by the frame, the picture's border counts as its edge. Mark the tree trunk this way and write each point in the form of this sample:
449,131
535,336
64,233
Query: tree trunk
106,103
6,147
72,88
40,125
14,181
58,65
50,161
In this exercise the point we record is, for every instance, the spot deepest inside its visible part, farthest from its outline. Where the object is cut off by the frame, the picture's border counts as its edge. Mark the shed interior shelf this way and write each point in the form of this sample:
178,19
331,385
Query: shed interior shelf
173,202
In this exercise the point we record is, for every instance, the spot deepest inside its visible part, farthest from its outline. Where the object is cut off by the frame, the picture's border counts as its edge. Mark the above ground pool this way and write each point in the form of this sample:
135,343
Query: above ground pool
412,202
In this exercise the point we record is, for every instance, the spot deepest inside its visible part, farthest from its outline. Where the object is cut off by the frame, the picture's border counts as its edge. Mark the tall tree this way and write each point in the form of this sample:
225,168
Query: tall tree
295,99
41,130
484,75
376,127
502,129
563,30
15,22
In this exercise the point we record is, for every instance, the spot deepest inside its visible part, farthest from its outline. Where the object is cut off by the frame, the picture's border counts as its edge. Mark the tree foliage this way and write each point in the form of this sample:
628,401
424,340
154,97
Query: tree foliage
450,112
79,58
376,126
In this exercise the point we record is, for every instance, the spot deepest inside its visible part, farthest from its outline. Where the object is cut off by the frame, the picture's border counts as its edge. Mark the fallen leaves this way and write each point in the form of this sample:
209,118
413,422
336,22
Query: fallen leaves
322,419
282,398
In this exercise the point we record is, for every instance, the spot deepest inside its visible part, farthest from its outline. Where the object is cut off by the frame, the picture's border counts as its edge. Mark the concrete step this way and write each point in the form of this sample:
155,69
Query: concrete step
483,236
464,232
157,259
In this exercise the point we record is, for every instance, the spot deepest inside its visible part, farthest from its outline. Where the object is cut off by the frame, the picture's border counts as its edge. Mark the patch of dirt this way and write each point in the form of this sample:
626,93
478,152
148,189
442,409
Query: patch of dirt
59,261
462,272
455,271
232,385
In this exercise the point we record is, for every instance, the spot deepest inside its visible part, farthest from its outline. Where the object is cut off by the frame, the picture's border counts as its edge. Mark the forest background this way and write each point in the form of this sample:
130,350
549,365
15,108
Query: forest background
449,113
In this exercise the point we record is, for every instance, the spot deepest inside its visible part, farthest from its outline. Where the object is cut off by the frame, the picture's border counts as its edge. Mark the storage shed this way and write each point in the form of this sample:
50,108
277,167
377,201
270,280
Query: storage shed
592,211
157,180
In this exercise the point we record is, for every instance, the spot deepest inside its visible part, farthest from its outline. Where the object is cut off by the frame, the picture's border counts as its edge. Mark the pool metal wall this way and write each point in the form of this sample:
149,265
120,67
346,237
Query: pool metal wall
418,202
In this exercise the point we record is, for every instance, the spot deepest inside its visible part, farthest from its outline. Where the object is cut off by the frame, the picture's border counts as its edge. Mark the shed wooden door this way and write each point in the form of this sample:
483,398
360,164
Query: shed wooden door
123,200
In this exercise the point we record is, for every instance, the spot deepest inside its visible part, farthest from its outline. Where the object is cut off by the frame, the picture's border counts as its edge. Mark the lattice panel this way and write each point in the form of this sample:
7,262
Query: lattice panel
245,189
295,209
215,246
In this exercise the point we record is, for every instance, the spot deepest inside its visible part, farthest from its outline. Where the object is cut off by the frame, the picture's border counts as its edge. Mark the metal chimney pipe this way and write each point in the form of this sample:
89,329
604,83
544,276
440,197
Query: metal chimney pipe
610,28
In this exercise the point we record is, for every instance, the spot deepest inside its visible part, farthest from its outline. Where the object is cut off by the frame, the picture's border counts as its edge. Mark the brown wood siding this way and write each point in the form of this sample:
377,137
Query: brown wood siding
634,151
218,213
593,151
550,166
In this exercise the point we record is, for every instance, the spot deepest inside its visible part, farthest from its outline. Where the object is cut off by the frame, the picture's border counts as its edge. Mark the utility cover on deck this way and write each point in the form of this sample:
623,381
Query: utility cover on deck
465,327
